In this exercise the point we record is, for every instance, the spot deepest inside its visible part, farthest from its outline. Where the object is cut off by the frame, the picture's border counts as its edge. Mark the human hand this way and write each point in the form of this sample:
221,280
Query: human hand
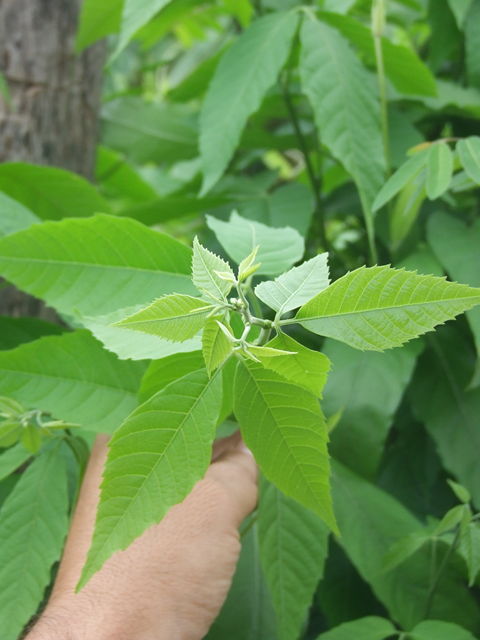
172,581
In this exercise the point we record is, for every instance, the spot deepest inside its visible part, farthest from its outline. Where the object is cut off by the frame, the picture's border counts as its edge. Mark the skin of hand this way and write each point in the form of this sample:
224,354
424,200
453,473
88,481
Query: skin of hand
172,581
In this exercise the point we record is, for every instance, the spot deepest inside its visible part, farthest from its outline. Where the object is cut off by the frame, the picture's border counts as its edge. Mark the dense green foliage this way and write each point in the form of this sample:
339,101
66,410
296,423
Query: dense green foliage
283,194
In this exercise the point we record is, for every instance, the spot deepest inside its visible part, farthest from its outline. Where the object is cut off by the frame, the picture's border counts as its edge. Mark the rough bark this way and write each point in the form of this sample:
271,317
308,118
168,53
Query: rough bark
52,115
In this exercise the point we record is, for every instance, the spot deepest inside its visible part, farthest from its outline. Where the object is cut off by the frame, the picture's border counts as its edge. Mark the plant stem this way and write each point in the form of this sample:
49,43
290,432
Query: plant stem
318,222
379,11
441,569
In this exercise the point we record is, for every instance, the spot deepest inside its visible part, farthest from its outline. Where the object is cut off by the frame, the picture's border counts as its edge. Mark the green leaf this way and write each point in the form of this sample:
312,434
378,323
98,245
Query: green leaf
33,524
345,108
10,431
460,9
293,547
119,179
11,459
469,152
216,346
175,317
98,18
136,14
377,308
161,373
278,250
297,286
371,628
205,266
403,549
400,178
76,266
59,374
406,209
305,367
456,247
472,44
439,169
462,494
238,88
155,458
450,520
149,132
16,331
367,387
284,427
470,550
440,630
50,193
14,216
403,66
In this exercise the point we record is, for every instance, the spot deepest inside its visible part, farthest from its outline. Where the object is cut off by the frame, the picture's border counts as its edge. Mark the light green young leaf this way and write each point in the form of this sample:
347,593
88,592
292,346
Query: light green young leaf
56,374
135,14
345,107
297,286
14,216
293,547
205,264
248,266
469,152
98,18
161,373
175,317
377,308
269,352
33,524
216,346
161,450
470,550
401,178
460,8
462,494
440,630
50,193
371,628
403,549
10,431
439,169
278,250
285,429
450,520
11,459
305,367
31,439
76,265
244,75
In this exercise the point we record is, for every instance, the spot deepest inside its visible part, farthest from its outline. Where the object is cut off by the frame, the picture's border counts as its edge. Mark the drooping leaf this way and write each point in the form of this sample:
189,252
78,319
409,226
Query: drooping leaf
75,265
161,450
284,427
50,193
293,547
345,108
278,250
367,388
98,18
469,152
161,373
216,346
33,524
400,178
439,169
305,367
175,317
403,549
205,268
73,378
371,628
135,14
440,630
11,459
377,308
297,286
245,73
14,216
16,331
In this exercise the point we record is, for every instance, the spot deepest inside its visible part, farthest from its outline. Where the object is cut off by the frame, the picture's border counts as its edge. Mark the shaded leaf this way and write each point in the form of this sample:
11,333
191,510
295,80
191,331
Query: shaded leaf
402,549
371,628
135,14
439,169
440,630
470,549
98,18
11,459
469,152
400,178
14,216
161,373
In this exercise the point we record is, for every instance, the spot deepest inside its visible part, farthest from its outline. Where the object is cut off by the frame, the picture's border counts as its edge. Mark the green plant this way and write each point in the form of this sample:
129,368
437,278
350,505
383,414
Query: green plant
277,135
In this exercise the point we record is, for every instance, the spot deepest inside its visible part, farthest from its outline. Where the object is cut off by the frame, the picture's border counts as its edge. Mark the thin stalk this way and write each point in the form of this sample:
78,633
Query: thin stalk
436,581
379,11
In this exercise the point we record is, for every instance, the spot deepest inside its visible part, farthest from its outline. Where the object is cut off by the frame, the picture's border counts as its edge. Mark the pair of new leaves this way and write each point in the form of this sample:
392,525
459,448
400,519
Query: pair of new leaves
164,446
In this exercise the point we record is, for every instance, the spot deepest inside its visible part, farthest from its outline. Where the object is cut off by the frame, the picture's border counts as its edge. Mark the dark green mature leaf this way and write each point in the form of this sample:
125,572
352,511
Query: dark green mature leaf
120,179
16,331
135,14
278,249
60,373
456,247
98,18
245,73
161,373
469,152
11,459
371,628
440,630
75,265
367,388
378,308
149,132
345,108
50,193
470,549
460,9
293,546
406,209
439,169
161,450
472,43
284,427
402,65
33,524
14,216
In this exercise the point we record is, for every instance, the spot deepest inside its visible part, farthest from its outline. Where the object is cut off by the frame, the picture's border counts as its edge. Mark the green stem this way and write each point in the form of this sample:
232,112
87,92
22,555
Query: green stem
436,581
379,11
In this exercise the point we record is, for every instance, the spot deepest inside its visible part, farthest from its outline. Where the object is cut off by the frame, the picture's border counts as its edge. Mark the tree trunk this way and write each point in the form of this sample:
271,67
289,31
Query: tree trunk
52,115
